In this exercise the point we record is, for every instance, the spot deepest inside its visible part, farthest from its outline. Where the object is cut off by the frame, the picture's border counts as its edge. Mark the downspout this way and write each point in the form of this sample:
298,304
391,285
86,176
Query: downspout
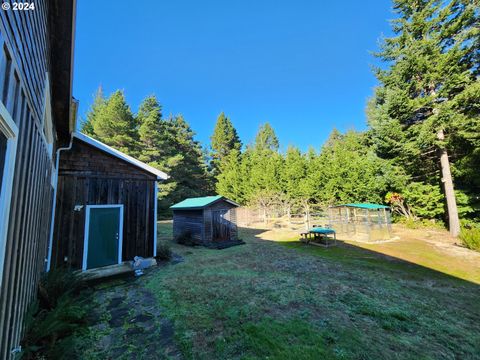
54,205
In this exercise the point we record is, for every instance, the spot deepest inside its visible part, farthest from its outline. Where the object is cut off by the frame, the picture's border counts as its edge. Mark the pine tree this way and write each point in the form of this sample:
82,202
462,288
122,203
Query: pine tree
265,186
266,139
98,103
152,133
223,141
113,124
424,104
184,163
231,178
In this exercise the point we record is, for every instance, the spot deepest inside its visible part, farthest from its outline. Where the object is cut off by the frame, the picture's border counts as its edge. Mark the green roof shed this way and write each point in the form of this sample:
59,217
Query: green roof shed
210,221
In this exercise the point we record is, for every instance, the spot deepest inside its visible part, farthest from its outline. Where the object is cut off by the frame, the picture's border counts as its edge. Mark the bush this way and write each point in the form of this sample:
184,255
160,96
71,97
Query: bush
470,236
164,252
56,283
54,317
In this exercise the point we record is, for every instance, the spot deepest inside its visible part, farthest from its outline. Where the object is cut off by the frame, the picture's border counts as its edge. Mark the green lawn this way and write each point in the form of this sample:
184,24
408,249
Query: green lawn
284,300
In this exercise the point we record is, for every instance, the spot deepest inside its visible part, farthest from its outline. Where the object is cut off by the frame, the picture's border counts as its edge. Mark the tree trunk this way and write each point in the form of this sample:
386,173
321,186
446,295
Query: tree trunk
453,221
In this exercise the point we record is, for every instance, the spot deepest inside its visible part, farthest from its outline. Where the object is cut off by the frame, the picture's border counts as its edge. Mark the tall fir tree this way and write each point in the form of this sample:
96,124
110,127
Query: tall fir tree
422,112
223,141
97,105
266,139
231,177
184,163
151,133
113,123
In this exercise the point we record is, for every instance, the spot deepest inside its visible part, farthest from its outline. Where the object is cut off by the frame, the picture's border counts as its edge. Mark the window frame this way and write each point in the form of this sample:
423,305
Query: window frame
10,130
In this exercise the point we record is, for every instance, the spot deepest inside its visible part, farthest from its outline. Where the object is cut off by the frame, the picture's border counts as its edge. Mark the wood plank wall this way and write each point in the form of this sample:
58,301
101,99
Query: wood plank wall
89,176
23,65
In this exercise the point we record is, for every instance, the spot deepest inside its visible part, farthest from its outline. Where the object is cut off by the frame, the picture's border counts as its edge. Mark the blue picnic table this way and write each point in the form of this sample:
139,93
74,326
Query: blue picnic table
319,236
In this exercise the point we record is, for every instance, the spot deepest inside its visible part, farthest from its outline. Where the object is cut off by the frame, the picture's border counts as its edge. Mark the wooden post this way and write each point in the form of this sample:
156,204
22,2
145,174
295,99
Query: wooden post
453,220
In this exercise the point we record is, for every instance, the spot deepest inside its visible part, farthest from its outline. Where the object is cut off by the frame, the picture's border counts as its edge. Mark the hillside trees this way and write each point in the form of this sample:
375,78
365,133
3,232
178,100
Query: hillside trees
424,114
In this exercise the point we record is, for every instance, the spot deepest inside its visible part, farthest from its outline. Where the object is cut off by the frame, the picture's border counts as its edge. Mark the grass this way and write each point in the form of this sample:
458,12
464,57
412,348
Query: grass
279,299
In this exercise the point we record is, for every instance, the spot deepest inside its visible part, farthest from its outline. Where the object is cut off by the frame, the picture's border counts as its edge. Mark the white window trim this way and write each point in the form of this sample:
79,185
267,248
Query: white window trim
87,225
10,130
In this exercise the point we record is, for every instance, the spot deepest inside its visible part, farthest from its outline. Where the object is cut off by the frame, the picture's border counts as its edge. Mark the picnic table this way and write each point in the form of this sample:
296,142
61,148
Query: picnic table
320,236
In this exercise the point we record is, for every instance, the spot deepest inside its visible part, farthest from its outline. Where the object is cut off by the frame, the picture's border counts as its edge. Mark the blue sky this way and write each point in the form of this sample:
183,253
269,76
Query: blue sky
303,66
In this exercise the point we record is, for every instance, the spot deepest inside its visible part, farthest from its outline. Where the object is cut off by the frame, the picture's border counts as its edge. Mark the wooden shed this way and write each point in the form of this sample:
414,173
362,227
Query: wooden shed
210,221
106,207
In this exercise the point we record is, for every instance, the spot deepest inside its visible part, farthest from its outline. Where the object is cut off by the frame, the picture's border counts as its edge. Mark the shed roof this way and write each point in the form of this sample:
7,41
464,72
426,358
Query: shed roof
118,154
200,202
365,206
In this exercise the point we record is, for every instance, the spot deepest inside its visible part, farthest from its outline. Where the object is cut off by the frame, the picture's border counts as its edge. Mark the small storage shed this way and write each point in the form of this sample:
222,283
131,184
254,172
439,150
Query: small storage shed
210,221
106,207
361,221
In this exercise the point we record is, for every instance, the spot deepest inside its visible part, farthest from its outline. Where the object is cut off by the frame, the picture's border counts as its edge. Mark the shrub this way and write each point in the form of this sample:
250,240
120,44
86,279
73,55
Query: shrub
54,284
470,236
164,252
55,316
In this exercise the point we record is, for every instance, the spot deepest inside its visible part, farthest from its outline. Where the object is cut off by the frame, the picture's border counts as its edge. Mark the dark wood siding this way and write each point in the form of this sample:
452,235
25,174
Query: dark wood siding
89,176
23,67
199,223
188,222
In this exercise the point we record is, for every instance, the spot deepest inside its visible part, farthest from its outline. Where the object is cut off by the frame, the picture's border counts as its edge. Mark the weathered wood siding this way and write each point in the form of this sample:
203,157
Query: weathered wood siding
199,223
89,176
230,216
24,61
188,221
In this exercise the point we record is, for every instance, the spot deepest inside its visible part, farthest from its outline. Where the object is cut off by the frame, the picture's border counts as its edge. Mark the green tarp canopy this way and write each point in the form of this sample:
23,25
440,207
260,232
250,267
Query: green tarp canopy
365,206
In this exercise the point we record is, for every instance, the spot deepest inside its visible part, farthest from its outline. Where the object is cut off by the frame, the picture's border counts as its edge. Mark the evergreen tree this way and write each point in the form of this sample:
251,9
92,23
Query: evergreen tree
184,163
231,178
98,103
266,139
223,141
424,105
266,167
347,170
152,133
113,124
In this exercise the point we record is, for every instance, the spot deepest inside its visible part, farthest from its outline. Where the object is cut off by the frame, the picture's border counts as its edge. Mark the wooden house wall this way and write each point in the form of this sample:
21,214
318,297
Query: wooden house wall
23,64
188,221
89,176
220,205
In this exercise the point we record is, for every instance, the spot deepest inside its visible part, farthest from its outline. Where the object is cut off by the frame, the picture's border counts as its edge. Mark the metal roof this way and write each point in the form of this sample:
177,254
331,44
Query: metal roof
118,154
200,202
365,206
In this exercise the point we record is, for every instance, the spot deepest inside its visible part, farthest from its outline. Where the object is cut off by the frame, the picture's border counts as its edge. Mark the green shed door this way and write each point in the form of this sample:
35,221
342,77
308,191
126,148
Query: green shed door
103,236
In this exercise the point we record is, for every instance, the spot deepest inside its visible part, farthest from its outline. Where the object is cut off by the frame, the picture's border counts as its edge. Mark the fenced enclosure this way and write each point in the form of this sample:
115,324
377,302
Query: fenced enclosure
361,222
281,217
357,222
